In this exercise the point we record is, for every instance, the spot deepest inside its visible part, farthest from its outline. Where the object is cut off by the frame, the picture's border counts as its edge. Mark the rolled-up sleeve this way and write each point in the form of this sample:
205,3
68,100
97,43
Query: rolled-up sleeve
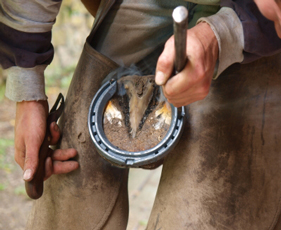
260,37
243,33
229,33
25,46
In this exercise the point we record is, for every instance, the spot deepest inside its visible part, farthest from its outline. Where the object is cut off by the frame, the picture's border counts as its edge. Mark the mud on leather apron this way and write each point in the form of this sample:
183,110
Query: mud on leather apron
88,197
223,174
225,171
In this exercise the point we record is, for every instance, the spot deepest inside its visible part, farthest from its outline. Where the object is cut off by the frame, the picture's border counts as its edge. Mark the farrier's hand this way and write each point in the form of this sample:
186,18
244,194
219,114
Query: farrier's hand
30,131
193,82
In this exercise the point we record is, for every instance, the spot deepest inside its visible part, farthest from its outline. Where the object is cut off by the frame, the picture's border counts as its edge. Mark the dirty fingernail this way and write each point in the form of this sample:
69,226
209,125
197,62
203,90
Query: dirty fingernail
160,78
27,174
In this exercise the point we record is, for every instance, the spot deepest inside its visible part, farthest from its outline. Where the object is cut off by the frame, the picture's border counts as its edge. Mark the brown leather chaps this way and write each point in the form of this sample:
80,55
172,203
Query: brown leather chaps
223,174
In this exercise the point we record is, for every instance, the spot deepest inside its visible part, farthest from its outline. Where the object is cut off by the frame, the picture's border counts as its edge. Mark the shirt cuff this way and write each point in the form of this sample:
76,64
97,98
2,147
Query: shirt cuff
29,16
228,30
25,84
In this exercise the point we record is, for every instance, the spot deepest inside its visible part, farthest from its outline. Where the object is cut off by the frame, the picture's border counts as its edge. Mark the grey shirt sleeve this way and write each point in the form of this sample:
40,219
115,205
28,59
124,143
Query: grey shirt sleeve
260,37
27,85
25,46
229,33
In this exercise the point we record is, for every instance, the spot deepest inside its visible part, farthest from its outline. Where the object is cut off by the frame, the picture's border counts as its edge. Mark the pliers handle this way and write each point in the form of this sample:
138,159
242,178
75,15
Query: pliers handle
34,188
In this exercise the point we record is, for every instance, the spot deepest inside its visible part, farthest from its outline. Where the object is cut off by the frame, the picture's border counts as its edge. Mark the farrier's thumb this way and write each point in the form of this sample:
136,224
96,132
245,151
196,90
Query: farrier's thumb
31,162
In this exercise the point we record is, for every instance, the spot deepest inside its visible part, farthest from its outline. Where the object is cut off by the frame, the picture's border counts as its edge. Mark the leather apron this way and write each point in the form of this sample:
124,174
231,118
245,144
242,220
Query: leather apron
225,172
95,195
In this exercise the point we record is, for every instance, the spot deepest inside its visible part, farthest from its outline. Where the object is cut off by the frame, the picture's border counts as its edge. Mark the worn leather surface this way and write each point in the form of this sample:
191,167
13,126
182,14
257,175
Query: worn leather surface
278,224
87,197
225,172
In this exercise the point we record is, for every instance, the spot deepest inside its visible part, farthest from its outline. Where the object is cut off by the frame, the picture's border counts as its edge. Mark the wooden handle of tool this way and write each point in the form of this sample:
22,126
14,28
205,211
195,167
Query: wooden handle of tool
34,188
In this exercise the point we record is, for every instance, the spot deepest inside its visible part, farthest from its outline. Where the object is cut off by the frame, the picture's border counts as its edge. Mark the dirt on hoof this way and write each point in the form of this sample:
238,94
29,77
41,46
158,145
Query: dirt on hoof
136,119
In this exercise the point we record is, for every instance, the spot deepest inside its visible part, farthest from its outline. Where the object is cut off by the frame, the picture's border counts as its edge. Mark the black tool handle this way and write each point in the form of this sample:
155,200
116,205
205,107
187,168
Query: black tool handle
35,187
180,19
